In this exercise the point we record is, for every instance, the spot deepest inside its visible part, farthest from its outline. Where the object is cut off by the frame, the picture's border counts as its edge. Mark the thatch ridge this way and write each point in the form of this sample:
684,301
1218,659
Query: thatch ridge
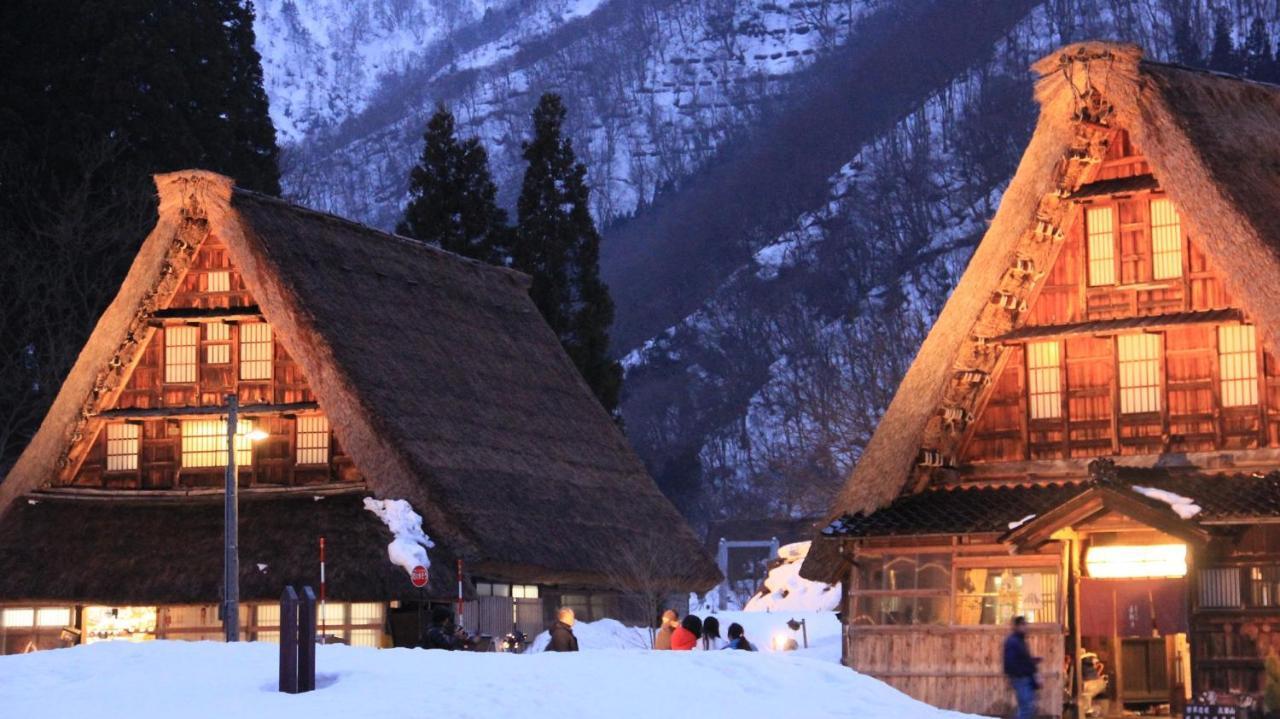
1213,141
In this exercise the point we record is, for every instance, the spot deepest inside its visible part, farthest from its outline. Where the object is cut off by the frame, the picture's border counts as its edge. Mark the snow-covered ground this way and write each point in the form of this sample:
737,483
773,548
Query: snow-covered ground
208,679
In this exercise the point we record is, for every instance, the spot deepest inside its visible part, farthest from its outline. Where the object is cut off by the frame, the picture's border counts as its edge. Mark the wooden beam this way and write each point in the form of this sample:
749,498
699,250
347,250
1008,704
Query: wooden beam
215,411
211,493
182,315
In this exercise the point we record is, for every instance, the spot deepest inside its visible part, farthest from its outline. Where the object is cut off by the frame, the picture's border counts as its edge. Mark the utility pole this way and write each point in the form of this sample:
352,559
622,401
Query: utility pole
231,533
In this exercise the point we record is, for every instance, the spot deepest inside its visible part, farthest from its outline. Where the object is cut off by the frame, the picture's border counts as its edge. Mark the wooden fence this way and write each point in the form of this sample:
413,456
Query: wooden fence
496,616
955,667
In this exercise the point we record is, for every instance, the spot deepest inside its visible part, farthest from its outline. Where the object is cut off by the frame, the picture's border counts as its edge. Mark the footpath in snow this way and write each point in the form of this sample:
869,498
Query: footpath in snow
159,680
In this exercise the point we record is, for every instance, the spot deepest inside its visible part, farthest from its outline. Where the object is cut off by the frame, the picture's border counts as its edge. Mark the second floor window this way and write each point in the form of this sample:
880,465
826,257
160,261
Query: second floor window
122,447
217,348
313,439
1166,240
255,351
204,443
1238,365
1139,367
180,345
1100,228
1044,380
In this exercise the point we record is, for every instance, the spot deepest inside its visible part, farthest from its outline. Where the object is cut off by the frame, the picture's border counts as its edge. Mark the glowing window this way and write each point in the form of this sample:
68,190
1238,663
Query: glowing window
1166,240
204,443
1139,357
1238,365
1044,379
218,281
1100,227
366,613
122,447
180,353
524,591
18,617
1135,562
255,351
218,349
313,439
53,617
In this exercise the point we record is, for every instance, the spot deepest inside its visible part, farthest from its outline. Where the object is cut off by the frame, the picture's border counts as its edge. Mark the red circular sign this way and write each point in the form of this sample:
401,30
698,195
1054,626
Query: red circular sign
419,576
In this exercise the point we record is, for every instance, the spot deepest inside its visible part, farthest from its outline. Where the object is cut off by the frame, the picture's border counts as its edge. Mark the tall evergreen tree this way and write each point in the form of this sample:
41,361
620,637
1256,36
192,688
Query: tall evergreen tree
454,203
557,244
1223,56
1258,61
95,96
1185,46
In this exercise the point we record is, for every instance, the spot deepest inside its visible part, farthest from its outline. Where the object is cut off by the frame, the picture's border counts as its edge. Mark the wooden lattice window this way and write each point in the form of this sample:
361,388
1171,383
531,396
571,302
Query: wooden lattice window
1166,240
204,443
255,351
217,349
122,447
313,439
180,353
1139,364
218,281
1044,379
1100,228
1238,365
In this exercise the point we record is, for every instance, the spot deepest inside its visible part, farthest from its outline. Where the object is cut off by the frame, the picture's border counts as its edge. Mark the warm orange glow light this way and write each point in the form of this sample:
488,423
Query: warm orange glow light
1134,562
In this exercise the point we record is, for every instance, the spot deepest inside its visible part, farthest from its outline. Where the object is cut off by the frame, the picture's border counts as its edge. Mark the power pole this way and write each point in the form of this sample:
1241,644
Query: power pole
231,534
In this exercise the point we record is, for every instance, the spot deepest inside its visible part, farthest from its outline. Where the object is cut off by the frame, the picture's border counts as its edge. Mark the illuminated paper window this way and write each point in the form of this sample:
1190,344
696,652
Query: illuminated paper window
180,353
1238,365
1100,225
1166,240
313,439
524,591
1044,379
1137,561
218,281
122,447
218,348
53,617
1139,364
204,443
18,618
255,351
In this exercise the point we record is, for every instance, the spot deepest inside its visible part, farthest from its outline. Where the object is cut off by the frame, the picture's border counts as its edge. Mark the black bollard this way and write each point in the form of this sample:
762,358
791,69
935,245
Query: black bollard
289,641
307,641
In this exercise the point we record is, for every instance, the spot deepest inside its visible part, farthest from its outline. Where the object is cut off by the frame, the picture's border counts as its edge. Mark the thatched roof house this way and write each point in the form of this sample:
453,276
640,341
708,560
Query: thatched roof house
1214,143
437,377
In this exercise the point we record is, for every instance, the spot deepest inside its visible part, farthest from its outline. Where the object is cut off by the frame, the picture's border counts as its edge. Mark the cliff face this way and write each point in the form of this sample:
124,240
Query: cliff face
788,190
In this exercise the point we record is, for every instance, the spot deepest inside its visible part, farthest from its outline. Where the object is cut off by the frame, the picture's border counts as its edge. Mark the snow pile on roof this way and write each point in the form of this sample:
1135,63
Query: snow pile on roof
1184,507
784,590
1020,522
212,680
409,548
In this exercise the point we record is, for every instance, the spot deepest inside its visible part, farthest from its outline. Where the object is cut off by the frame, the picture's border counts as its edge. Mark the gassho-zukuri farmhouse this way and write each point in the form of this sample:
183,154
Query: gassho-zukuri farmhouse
1090,434
376,366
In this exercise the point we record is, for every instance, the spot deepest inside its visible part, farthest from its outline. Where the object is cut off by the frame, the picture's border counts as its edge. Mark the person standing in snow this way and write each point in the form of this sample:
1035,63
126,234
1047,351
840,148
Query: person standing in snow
562,639
711,636
1020,667
738,638
687,635
442,634
670,620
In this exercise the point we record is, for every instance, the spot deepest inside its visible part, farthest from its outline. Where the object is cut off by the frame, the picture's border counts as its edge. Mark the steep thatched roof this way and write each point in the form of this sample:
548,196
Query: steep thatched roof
1213,141
437,373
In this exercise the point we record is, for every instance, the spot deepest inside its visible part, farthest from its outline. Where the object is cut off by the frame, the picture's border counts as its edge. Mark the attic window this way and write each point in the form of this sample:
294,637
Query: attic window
180,353
255,351
217,349
218,281
122,447
313,439
204,443
1238,365
1166,240
1100,227
1044,379
1139,363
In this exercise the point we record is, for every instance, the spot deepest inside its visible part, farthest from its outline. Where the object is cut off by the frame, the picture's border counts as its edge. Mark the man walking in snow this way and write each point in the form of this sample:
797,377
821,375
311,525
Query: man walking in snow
562,639
670,621
1020,667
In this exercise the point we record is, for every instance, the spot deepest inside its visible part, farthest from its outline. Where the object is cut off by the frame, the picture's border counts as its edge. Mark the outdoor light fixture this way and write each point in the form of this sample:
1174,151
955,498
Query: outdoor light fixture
1137,561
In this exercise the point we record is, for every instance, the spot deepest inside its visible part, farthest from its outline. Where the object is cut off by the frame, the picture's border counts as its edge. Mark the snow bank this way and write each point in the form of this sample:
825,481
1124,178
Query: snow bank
199,680
601,634
785,590
1184,507
409,548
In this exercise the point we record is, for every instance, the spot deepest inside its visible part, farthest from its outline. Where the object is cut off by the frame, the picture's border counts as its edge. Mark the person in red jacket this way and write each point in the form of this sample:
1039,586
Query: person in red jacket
686,637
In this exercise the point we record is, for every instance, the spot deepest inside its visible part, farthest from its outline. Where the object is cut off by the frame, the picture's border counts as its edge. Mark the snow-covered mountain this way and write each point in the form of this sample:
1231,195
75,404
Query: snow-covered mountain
788,189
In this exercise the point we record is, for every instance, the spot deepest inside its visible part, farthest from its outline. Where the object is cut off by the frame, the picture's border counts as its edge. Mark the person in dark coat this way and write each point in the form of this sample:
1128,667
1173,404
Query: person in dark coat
1020,667
442,634
738,638
562,639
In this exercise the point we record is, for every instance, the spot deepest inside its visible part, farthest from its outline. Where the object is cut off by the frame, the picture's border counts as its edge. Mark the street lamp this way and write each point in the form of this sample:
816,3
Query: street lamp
231,527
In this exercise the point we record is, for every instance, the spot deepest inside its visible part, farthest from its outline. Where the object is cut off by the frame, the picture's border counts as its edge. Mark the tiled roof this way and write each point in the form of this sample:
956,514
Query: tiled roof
982,509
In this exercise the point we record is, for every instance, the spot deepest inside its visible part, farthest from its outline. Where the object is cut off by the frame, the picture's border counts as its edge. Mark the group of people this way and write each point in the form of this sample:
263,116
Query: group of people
697,634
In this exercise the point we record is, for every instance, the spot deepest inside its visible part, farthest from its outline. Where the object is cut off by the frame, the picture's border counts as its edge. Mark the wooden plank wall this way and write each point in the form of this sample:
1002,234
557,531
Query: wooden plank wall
955,667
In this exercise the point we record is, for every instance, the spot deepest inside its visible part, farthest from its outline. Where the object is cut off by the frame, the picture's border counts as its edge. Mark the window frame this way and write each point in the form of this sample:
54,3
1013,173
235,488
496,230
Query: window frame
244,446
1126,393
173,352
1043,371
135,440
248,354
1180,241
1233,359
1112,261
298,445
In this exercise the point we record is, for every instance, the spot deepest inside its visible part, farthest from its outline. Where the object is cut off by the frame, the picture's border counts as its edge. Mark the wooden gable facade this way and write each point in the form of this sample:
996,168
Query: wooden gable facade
1089,436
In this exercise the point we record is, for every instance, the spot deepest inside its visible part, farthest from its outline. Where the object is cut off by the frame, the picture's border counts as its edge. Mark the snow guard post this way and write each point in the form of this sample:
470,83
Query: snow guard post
297,641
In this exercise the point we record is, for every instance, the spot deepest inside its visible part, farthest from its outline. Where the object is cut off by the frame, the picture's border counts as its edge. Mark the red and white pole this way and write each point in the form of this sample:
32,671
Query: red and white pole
460,624
323,630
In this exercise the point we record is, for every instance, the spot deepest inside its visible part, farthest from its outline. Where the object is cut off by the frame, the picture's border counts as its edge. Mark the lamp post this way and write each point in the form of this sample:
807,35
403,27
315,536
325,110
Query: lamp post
231,528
